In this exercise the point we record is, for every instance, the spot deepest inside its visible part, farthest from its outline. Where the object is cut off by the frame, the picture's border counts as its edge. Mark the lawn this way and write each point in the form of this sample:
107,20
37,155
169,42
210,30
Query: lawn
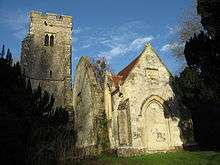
174,158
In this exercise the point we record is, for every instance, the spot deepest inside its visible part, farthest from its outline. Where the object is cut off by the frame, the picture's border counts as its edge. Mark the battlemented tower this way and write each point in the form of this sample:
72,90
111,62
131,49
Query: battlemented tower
46,55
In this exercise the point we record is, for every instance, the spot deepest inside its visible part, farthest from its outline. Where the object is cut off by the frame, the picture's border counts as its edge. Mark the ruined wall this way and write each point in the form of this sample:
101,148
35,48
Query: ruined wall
88,109
46,55
148,82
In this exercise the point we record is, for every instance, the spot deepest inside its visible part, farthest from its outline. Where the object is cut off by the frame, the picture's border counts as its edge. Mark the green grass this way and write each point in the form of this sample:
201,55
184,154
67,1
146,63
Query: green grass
173,158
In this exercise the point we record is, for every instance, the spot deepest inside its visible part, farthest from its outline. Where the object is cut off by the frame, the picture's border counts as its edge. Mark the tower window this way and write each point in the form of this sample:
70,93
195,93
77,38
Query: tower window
51,40
59,17
50,74
45,23
46,40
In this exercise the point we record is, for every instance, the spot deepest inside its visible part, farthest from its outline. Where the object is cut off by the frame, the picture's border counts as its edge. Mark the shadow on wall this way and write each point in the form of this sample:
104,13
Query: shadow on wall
204,109
199,115
175,110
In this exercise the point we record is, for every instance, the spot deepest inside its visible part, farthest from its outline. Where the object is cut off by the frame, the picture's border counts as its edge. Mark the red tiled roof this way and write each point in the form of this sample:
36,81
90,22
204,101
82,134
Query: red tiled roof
116,80
125,72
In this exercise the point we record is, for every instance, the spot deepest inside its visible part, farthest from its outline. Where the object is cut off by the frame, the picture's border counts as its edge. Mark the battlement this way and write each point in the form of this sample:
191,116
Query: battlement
49,15
50,19
41,22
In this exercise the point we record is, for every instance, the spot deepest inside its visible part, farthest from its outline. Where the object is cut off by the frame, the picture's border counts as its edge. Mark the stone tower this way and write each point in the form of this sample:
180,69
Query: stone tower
46,55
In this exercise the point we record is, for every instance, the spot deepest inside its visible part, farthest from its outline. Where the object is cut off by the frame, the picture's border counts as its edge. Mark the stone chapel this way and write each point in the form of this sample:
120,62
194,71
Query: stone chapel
135,112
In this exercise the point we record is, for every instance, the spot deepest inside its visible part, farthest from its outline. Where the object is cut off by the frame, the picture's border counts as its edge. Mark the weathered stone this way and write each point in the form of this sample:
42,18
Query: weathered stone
152,113
137,111
46,55
88,106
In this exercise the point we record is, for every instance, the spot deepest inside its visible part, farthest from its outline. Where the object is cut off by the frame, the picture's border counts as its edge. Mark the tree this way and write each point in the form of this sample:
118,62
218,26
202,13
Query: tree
9,57
31,125
100,66
189,24
199,87
201,52
3,51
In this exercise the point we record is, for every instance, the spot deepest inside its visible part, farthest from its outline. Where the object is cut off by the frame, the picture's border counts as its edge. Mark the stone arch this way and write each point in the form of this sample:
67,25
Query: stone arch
50,72
51,40
46,40
156,125
154,98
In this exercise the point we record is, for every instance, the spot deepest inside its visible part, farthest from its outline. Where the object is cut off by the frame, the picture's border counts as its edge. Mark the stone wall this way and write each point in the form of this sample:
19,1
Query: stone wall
137,111
49,65
89,110
152,114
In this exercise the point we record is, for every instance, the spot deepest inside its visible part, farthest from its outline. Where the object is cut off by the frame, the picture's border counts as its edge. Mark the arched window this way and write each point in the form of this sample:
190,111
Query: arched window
51,40
50,74
46,40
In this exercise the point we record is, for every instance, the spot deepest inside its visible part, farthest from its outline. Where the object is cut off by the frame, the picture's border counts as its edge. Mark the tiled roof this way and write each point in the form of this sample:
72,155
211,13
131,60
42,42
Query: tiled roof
116,80
125,72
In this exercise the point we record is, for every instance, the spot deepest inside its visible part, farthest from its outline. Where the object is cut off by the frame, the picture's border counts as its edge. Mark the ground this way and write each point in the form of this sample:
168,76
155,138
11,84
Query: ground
174,158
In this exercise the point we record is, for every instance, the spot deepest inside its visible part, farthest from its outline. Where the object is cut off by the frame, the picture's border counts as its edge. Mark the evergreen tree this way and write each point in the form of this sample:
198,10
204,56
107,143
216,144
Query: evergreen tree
31,125
3,51
199,87
9,57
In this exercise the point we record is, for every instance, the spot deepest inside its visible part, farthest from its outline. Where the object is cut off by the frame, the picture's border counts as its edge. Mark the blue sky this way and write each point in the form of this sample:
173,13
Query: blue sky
115,29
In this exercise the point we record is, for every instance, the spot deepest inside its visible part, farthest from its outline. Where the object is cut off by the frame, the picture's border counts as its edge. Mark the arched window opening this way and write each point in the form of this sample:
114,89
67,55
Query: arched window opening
50,74
46,40
45,23
51,40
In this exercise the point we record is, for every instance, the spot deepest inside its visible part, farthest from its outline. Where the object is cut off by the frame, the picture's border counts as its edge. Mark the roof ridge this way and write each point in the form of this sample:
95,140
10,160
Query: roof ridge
125,72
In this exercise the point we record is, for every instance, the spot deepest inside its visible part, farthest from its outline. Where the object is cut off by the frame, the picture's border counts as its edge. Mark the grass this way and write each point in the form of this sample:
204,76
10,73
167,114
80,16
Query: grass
173,158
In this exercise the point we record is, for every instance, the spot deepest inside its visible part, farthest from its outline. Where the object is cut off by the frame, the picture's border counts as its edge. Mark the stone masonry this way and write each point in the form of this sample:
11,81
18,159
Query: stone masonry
141,109
88,103
133,112
46,55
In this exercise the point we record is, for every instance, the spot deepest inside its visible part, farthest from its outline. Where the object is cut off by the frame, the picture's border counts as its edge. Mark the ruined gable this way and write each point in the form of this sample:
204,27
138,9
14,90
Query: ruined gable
89,110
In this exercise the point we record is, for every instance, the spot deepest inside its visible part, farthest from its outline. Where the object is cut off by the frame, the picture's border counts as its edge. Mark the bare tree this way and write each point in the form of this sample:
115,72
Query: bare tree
188,25
101,66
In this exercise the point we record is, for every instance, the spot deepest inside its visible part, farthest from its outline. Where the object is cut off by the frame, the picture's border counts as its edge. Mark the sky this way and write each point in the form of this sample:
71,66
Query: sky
114,29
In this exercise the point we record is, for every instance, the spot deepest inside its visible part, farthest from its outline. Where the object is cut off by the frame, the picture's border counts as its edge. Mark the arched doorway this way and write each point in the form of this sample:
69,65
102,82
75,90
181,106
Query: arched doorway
156,125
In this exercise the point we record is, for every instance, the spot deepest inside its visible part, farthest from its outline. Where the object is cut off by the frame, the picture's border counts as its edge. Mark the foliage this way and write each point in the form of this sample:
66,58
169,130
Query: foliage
100,66
202,53
30,124
199,88
189,24
102,136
